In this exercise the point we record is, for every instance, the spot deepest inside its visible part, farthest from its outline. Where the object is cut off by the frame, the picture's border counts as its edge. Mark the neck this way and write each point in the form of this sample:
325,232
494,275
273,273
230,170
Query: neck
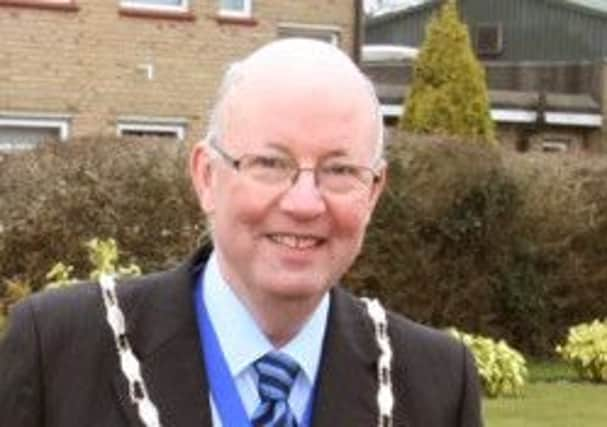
280,317
284,320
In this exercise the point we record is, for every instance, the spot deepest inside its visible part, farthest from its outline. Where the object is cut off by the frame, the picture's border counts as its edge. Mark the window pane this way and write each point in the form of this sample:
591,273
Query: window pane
157,2
150,133
15,137
232,4
324,36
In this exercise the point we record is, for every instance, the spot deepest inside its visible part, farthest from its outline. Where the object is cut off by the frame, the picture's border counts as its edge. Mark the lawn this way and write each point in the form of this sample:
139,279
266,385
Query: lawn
553,399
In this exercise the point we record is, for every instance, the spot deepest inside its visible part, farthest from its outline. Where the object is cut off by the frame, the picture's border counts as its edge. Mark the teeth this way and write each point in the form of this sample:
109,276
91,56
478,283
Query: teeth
296,242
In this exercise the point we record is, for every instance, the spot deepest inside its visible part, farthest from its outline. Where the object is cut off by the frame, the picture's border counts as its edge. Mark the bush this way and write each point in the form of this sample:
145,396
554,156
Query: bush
586,349
448,93
103,257
488,240
61,194
13,292
503,370
441,233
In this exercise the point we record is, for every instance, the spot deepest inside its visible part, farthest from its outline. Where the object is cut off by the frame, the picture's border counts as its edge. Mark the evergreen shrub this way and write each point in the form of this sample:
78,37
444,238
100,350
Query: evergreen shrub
502,369
448,93
586,349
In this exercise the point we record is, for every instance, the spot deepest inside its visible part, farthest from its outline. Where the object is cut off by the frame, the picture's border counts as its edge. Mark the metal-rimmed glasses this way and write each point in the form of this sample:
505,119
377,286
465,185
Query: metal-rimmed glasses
330,176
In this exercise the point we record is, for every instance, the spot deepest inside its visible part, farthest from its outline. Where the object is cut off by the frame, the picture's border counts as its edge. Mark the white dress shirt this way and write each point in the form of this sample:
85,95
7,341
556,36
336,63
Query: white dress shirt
242,343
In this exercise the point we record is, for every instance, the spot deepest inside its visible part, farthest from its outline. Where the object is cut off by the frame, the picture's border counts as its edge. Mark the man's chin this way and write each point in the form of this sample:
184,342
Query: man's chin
299,290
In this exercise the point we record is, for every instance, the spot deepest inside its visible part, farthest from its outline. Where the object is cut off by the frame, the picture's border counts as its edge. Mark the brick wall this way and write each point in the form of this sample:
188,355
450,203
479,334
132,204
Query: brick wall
86,61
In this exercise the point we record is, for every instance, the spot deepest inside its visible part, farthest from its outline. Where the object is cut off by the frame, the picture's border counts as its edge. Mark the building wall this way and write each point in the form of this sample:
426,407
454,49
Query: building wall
541,30
533,30
89,63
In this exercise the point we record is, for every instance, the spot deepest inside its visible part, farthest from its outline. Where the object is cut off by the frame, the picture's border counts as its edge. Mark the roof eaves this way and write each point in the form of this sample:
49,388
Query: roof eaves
579,6
396,13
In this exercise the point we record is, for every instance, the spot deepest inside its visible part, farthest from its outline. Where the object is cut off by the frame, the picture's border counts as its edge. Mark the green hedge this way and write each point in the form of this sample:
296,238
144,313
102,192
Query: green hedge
487,240
503,244
58,197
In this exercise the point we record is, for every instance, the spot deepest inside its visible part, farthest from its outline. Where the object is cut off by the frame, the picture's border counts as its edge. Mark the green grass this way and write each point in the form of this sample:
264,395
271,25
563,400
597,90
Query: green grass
550,371
554,398
551,405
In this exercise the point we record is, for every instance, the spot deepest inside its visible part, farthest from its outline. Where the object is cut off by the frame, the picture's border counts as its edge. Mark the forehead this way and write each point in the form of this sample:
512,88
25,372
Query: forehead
313,106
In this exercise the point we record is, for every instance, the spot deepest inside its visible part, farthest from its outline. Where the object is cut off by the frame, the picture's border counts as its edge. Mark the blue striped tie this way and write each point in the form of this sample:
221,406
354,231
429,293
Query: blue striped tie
277,373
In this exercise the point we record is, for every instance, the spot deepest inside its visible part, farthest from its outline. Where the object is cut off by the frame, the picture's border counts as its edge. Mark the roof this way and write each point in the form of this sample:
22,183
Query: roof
396,11
592,5
410,6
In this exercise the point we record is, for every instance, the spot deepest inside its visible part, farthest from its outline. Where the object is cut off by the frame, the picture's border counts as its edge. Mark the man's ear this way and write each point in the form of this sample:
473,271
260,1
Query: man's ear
202,176
379,185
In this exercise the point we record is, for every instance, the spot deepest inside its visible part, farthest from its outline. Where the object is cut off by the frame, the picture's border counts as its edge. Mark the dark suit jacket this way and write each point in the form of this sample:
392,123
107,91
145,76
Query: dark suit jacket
59,368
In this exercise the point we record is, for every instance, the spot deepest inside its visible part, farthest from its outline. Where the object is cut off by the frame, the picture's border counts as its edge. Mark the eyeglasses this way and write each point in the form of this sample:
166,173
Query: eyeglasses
330,176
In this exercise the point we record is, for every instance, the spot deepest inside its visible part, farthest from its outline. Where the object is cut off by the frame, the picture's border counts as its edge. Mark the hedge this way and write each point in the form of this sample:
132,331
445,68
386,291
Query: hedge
493,242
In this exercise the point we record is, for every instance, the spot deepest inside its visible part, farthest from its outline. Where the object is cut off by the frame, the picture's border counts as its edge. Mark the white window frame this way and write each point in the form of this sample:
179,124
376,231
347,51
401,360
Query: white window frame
555,146
245,12
564,118
142,5
176,125
40,121
300,30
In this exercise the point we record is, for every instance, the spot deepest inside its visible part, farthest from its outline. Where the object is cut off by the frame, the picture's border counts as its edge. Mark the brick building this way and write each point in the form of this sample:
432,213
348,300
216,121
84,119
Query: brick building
71,68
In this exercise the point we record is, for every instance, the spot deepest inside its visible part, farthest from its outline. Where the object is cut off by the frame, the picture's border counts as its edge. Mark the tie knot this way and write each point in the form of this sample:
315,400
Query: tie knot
277,372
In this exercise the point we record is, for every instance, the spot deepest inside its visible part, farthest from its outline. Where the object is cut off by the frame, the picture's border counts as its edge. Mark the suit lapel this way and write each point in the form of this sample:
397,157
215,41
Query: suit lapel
347,387
161,325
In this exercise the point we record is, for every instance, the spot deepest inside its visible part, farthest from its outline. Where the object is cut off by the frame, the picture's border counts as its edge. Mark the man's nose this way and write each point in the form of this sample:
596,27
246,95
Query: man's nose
303,198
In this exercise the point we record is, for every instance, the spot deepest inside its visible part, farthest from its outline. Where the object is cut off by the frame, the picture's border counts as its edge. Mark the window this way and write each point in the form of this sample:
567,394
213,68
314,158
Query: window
161,5
20,131
65,5
235,8
489,39
555,143
329,34
555,147
171,128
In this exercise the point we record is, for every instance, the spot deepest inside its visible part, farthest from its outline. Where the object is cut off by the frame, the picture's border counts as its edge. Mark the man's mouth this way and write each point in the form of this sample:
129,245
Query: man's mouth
296,241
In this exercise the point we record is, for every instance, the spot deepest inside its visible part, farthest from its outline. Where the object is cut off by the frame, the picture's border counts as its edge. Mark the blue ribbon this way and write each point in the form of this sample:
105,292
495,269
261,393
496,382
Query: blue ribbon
223,389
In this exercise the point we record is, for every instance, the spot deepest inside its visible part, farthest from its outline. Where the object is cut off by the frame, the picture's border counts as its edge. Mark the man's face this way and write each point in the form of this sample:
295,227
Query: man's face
291,242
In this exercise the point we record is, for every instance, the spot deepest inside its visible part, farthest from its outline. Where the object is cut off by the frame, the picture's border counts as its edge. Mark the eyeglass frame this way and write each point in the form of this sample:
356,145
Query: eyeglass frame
236,162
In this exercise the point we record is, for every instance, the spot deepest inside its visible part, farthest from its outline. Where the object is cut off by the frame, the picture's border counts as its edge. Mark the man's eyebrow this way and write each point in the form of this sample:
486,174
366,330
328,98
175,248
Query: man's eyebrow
338,152
279,147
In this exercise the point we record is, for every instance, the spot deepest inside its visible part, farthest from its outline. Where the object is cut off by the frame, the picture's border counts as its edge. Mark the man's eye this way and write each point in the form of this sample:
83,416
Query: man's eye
338,169
270,162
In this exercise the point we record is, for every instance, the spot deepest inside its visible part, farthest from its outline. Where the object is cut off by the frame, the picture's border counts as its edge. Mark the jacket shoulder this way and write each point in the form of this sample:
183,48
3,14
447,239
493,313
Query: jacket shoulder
426,340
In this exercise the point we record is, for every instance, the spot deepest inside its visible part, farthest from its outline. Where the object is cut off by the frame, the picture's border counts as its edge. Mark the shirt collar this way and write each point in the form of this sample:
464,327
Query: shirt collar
241,339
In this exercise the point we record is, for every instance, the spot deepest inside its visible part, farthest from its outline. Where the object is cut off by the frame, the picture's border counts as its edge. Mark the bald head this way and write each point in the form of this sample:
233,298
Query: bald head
311,66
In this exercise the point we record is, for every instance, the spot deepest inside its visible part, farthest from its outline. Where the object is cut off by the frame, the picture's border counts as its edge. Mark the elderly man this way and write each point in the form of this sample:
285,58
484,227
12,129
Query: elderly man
255,330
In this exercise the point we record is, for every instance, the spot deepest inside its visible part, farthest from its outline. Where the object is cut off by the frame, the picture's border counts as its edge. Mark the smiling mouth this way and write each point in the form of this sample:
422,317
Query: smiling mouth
296,241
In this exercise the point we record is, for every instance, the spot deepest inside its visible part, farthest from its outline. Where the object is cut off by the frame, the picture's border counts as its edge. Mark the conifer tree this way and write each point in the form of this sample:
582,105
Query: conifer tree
448,95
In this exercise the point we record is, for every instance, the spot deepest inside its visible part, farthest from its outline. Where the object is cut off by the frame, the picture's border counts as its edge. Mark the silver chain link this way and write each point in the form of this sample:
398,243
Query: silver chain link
131,369
385,396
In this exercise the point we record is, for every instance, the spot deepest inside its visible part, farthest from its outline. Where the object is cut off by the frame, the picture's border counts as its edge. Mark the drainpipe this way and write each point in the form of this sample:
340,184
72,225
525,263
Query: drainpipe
357,36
